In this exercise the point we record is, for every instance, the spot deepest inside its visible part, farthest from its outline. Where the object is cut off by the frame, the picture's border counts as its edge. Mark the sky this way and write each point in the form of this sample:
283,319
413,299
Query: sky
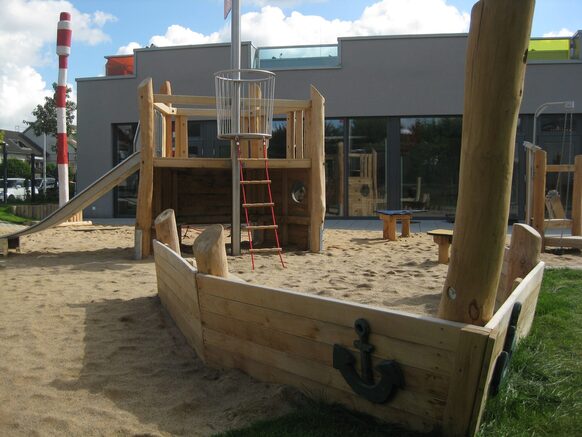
29,64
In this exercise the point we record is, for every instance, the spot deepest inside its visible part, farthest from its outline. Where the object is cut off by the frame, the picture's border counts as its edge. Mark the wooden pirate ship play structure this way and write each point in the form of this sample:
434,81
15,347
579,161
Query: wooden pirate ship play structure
426,373
200,190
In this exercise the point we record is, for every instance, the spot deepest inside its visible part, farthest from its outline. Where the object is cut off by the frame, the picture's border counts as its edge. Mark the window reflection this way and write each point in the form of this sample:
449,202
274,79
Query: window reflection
126,191
430,156
334,167
367,165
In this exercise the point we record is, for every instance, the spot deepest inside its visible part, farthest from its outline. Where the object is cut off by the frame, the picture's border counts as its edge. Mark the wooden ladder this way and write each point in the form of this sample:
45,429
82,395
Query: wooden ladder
249,205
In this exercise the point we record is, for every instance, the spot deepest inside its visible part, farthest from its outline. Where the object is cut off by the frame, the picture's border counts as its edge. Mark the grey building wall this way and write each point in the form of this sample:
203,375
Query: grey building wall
378,76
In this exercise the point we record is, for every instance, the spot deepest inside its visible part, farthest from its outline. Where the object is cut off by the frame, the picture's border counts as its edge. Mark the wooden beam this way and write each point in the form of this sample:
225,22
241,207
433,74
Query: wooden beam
523,256
196,112
181,137
577,198
494,76
143,221
317,178
560,168
226,163
167,231
210,253
166,89
280,105
539,192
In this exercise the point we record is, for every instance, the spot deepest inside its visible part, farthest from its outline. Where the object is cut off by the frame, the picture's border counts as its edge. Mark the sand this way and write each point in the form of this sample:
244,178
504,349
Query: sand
86,348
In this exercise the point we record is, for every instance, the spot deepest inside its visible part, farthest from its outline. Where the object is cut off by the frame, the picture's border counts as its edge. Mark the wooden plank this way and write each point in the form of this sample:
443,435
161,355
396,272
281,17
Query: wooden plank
280,105
574,242
166,88
404,400
188,326
143,221
299,135
164,109
577,198
436,361
290,136
529,286
465,381
177,273
557,224
559,168
263,372
194,112
225,163
527,293
185,100
181,137
430,331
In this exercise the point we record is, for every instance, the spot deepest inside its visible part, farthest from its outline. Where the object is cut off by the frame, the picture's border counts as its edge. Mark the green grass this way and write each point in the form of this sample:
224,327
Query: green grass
6,216
541,394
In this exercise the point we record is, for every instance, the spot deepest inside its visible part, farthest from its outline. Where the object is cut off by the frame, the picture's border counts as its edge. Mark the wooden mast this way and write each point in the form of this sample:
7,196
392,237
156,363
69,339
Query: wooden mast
317,154
494,75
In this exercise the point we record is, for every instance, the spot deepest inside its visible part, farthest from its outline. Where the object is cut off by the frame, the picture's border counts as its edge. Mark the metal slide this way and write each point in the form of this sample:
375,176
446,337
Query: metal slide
86,197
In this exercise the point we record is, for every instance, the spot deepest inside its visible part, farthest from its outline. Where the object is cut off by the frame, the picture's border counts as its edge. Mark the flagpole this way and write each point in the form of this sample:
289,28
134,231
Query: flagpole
235,65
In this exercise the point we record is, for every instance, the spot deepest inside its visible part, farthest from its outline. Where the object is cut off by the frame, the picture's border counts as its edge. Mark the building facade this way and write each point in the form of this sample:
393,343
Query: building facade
393,115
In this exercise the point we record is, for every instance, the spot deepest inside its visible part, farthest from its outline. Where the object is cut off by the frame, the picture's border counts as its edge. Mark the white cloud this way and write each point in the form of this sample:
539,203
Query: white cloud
562,32
271,26
27,41
283,3
21,89
128,49
177,35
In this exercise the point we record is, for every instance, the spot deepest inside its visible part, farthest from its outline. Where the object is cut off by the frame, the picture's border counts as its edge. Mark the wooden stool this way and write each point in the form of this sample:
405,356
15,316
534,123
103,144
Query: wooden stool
390,219
444,238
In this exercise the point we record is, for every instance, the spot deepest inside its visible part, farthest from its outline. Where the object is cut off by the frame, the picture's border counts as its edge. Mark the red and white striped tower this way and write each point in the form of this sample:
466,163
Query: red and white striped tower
64,34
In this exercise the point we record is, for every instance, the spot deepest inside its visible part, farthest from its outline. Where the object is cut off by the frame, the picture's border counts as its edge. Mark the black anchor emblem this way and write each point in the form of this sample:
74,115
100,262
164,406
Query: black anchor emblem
391,376
502,362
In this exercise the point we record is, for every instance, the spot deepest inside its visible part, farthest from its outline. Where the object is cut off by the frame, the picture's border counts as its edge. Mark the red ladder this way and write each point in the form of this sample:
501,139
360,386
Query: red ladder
270,204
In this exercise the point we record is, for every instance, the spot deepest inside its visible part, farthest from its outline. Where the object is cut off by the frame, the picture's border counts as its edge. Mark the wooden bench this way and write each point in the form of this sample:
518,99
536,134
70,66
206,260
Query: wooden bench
390,217
444,238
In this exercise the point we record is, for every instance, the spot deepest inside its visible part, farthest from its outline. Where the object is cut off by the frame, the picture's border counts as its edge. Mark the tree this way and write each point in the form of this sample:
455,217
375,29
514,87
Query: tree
46,115
16,168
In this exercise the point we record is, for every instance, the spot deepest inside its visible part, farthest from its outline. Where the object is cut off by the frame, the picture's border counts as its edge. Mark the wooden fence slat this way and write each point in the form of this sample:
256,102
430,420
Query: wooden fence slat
434,360
409,327
404,400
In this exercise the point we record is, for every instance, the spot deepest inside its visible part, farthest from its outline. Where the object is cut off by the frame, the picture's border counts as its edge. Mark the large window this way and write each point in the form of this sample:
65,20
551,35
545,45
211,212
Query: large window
203,141
367,165
430,151
560,136
125,195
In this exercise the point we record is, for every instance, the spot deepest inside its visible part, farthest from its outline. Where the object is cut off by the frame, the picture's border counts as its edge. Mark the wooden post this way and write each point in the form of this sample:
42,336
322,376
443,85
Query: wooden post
290,135
166,88
539,192
523,255
317,180
210,252
143,222
494,75
577,197
167,231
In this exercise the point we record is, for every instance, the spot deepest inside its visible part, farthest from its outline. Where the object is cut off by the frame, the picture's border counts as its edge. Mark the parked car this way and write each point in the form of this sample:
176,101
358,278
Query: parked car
51,184
15,189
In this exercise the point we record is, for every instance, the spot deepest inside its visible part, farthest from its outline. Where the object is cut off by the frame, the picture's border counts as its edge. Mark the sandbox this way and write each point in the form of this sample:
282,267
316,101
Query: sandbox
288,337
